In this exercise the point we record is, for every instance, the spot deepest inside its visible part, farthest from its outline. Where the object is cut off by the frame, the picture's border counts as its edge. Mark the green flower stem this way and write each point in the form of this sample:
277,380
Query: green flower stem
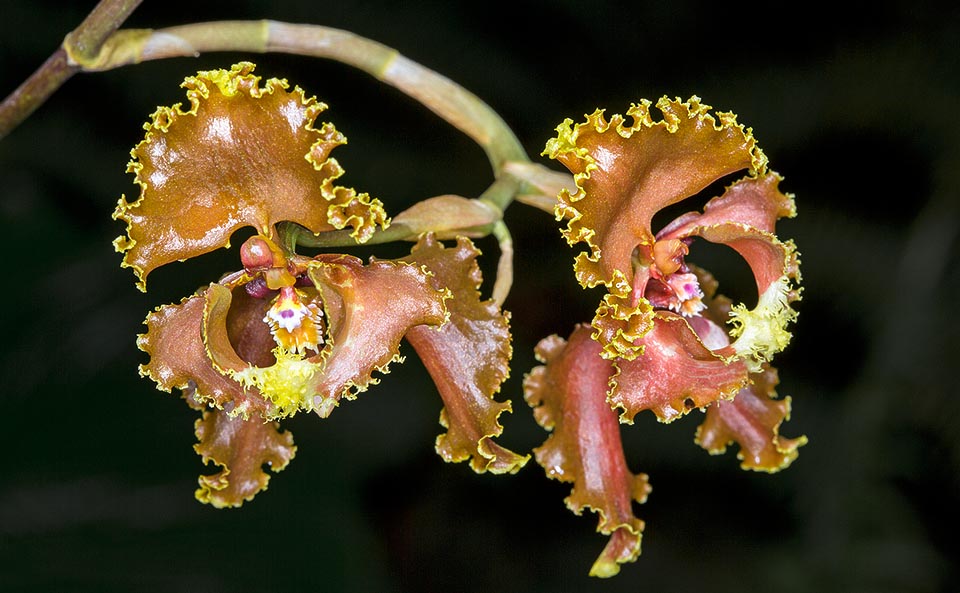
453,103
504,281
82,44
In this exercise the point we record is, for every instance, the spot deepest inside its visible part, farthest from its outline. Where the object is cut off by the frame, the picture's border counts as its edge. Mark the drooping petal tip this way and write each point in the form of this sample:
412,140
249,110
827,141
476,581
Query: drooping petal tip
468,358
241,448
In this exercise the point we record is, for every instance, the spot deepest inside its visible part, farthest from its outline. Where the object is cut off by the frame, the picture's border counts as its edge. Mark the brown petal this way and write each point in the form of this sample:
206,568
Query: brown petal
468,358
241,448
368,311
241,155
625,174
569,397
675,373
752,419
179,358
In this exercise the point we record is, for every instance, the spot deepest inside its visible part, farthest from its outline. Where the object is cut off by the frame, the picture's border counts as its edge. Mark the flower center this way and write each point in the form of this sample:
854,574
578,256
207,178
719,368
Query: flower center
671,284
296,325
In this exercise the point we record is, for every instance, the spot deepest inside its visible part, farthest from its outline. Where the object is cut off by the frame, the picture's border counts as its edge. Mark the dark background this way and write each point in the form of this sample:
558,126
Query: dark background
857,108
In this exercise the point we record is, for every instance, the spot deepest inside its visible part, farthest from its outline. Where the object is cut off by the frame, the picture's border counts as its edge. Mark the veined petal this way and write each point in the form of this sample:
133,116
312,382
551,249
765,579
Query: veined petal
241,155
368,311
179,356
241,448
568,396
752,419
624,174
675,374
468,358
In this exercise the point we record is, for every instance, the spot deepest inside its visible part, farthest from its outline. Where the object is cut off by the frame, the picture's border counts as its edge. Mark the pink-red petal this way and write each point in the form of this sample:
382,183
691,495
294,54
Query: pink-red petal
568,396
368,310
752,420
675,374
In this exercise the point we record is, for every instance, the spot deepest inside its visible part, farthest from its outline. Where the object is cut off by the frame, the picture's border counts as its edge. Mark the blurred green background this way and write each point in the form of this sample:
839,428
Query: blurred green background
859,109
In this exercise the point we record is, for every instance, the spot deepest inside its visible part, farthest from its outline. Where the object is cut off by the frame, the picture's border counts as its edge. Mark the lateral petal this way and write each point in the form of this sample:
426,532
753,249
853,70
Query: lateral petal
179,356
368,310
752,419
468,358
568,397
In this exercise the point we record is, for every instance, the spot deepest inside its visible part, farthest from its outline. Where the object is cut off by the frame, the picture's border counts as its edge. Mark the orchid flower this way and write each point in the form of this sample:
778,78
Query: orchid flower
287,333
657,341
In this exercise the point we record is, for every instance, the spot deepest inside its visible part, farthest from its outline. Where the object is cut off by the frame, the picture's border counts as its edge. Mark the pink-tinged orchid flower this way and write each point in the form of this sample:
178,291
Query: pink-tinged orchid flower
658,340
289,333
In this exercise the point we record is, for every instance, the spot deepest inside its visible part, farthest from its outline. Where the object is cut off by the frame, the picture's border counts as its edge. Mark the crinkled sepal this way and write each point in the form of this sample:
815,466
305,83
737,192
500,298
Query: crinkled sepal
241,155
368,310
569,397
179,357
626,173
241,448
468,358
675,374
752,420
743,218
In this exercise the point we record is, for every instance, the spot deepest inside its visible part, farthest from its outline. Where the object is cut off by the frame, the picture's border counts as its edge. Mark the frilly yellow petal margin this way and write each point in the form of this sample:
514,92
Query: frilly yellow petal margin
624,174
618,326
241,155
241,448
761,332
286,383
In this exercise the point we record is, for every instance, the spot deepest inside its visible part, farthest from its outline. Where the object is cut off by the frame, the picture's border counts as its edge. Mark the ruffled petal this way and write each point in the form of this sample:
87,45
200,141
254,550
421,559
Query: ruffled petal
618,326
675,374
625,174
568,396
368,310
241,155
752,420
179,355
241,448
468,358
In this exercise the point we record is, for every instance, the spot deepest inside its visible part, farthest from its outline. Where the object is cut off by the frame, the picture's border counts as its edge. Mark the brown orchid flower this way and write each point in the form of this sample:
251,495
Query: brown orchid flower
289,333
657,341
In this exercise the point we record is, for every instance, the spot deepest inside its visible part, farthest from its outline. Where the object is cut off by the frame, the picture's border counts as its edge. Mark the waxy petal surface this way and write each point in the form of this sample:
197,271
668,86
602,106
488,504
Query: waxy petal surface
369,309
468,358
675,374
752,419
241,155
568,396
179,357
626,173
241,448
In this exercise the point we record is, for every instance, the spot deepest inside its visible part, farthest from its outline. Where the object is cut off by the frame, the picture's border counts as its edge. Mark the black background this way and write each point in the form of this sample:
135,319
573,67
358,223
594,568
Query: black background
859,109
